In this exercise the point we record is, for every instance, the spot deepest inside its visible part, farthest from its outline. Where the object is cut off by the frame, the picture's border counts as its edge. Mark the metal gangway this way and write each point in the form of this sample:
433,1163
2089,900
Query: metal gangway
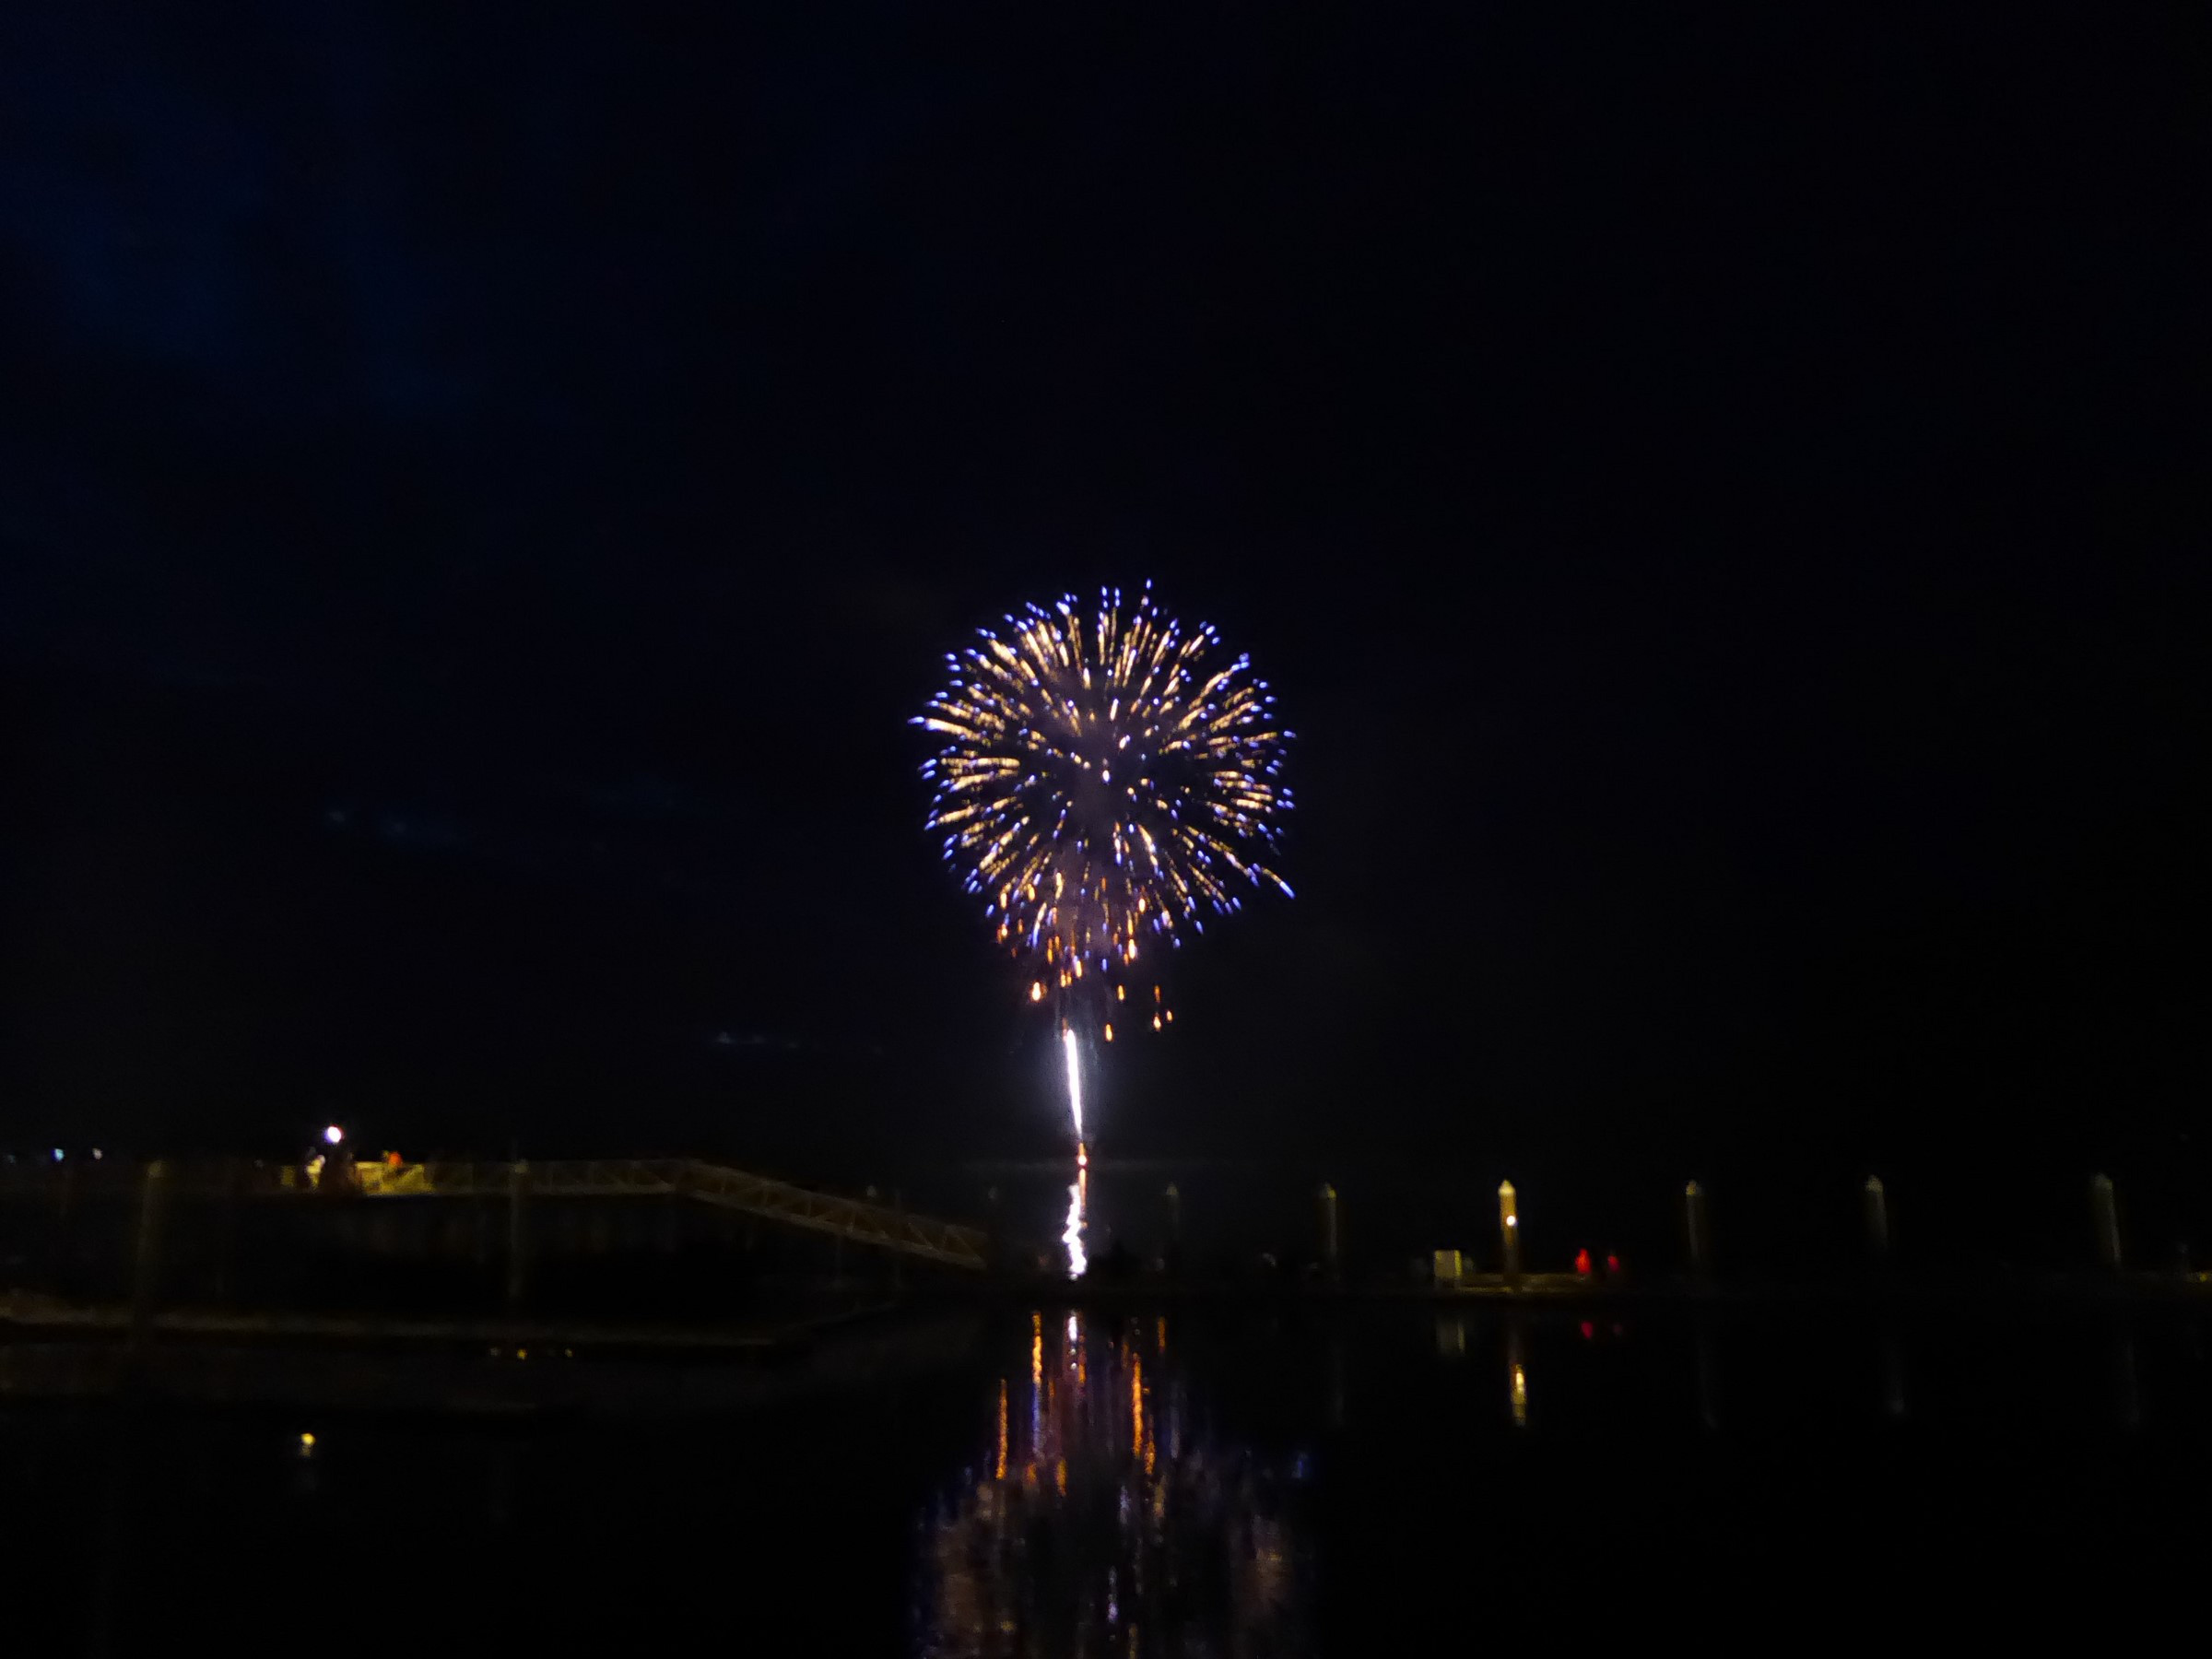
857,1220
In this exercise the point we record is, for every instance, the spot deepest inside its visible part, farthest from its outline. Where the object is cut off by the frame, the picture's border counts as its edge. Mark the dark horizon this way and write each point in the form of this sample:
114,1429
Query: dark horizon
1723,506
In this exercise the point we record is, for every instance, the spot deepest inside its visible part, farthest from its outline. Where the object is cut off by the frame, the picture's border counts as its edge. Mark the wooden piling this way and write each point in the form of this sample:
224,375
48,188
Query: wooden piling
518,1232
153,1195
1877,1202
1697,1225
1509,1228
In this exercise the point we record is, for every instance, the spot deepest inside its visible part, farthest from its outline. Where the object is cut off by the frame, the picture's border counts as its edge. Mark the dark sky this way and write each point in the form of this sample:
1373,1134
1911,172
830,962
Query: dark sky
1724,499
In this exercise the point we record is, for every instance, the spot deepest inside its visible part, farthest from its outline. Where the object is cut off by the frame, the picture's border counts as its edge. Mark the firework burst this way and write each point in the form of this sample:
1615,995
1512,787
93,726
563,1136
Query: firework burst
1106,779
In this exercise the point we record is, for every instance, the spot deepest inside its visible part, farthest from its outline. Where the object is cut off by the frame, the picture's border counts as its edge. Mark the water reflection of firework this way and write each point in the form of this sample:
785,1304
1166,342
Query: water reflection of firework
1078,1194
1078,1215
1102,1524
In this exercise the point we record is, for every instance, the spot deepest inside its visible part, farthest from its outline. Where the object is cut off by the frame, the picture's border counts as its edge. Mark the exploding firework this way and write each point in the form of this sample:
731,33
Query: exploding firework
1107,779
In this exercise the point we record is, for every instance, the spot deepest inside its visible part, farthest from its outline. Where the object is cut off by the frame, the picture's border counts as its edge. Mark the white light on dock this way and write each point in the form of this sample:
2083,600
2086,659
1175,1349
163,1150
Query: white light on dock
333,1134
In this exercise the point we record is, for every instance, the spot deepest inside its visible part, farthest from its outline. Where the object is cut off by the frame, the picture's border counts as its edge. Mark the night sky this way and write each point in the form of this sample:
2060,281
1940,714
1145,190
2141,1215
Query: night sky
1723,500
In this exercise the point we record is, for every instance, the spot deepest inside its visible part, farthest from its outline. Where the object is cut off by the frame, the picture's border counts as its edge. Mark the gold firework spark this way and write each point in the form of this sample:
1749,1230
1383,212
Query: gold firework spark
1105,779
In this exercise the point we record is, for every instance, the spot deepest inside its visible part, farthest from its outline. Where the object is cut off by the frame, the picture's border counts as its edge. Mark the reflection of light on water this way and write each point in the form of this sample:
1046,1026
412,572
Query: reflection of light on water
1107,1526
1079,1196
1516,1364
1078,1262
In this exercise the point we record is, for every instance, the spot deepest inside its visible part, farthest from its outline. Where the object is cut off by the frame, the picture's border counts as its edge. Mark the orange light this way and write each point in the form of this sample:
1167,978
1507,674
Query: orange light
1170,1016
1121,993
1036,990
1156,1022
1110,1033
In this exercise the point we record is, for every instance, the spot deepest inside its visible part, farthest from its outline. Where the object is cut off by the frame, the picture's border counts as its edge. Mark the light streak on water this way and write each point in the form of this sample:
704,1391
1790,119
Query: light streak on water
1079,1196
1078,1262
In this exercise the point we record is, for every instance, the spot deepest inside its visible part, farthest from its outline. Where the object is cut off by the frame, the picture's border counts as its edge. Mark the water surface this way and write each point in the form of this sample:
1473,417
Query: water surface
1173,1481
